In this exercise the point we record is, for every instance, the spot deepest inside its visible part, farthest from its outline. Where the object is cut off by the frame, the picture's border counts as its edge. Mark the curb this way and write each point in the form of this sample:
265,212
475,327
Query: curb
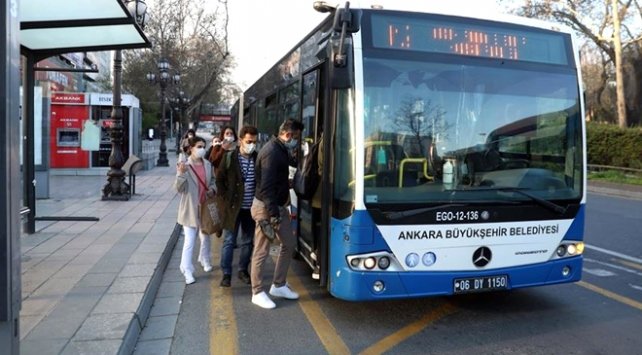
137,323
615,191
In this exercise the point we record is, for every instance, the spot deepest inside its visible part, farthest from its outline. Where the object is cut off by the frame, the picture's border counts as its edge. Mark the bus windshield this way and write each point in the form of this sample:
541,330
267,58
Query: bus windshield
469,131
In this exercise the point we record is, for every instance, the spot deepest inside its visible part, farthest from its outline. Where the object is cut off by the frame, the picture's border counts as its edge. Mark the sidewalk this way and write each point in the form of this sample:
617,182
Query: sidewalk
87,287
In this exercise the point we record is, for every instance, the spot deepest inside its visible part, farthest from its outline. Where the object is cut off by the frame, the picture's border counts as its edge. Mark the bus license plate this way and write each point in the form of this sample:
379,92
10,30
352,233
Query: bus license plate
480,284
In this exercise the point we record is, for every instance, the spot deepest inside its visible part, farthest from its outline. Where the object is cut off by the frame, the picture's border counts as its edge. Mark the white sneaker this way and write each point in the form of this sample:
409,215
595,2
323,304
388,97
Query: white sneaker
262,300
189,278
207,266
284,292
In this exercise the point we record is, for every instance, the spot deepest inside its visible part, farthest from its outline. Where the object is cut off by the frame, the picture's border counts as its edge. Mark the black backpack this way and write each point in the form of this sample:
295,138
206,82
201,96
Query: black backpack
306,179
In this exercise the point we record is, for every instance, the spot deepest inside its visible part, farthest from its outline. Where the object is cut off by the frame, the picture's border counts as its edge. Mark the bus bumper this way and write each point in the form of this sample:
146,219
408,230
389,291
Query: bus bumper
359,286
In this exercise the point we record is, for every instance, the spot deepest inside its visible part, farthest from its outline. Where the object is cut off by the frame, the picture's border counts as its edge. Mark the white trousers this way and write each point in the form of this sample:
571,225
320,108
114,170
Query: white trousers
188,249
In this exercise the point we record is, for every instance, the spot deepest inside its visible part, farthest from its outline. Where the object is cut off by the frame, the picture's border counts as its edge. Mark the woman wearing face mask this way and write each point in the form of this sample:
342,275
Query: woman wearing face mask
194,182
235,184
228,142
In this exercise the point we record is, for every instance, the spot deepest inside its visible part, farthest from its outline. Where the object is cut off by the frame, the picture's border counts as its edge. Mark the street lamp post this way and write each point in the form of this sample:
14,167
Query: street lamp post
116,188
180,103
164,78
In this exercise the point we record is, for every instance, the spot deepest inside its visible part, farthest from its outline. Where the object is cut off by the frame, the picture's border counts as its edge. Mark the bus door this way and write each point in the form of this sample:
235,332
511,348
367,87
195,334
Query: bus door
309,213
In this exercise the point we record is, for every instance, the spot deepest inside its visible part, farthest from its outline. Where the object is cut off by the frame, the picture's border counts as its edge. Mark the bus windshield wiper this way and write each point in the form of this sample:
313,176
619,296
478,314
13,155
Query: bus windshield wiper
392,215
542,202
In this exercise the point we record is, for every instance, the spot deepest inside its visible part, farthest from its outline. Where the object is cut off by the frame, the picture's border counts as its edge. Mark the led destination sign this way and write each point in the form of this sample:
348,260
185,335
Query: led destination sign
477,40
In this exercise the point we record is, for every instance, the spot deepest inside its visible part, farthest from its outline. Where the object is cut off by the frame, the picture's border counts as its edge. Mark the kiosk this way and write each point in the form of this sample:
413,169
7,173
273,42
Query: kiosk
79,135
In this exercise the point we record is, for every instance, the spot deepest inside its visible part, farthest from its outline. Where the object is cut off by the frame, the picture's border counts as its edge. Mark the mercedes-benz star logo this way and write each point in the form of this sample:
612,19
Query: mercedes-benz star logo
482,256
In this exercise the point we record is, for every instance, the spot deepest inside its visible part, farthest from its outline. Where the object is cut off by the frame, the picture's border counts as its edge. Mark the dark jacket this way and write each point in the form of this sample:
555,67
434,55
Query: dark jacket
272,172
230,186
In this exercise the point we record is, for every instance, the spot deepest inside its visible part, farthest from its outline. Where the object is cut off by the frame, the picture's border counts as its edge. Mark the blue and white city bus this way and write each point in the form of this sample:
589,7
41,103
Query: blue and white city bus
453,150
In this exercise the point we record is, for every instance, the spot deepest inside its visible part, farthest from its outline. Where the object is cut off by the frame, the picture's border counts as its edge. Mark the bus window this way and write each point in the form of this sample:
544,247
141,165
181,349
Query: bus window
344,153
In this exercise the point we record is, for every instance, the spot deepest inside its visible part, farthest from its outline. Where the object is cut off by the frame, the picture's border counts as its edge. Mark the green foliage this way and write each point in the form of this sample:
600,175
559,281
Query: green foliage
611,145
616,176
150,120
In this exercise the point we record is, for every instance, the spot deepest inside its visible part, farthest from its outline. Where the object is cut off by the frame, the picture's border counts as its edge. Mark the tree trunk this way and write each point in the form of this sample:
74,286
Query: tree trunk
619,69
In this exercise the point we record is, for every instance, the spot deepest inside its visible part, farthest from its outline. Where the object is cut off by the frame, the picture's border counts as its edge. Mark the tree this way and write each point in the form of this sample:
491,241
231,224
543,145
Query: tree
423,120
605,23
192,36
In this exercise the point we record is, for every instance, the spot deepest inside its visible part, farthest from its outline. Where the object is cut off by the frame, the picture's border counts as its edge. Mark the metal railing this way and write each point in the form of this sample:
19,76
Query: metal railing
596,167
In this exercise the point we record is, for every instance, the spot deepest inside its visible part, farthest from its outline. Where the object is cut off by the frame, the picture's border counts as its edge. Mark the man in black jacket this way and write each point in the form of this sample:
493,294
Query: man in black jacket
271,215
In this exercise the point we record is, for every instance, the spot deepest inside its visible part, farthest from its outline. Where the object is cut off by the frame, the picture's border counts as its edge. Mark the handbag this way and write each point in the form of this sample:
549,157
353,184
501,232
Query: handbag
210,215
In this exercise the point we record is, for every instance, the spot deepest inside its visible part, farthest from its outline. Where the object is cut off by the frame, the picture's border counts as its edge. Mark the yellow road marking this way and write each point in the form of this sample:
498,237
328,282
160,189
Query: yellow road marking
326,332
628,263
614,296
223,330
411,329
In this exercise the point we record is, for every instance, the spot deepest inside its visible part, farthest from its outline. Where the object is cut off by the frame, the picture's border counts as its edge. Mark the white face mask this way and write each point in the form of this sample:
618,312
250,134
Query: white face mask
199,153
249,148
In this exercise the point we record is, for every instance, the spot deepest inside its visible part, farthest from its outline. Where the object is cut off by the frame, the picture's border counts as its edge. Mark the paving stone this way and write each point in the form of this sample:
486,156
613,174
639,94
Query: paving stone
109,265
141,227
130,284
153,347
133,237
159,327
166,306
73,270
42,347
100,347
172,275
27,323
144,258
41,301
59,324
97,279
104,326
118,303
171,289
138,270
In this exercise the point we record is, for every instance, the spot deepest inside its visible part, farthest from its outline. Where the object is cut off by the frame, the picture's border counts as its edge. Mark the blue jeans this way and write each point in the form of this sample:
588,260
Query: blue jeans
246,224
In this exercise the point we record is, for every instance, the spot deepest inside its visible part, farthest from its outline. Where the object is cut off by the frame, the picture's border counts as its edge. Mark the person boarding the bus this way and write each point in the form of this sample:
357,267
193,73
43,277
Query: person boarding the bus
227,140
271,215
236,183
194,181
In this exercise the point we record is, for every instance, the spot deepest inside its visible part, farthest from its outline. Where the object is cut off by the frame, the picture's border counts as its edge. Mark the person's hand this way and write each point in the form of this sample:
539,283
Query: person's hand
227,145
181,168
275,222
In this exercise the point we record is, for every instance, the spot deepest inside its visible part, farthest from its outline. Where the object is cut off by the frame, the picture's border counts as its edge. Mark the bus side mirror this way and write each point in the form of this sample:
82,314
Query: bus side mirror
346,21
348,17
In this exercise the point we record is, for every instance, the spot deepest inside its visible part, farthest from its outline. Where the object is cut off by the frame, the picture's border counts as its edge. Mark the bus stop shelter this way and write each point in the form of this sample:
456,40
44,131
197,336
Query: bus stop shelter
34,30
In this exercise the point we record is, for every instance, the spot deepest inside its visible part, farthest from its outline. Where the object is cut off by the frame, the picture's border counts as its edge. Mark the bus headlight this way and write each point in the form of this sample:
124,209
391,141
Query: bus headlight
384,262
580,247
571,250
375,261
370,263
